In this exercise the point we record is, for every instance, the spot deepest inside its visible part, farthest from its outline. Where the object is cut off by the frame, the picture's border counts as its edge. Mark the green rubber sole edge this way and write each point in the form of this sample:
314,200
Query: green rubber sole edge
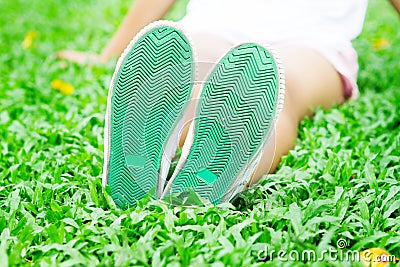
152,88
235,114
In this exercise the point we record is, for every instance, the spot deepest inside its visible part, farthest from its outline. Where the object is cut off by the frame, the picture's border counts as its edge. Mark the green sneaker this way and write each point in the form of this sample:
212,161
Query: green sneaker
237,110
150,89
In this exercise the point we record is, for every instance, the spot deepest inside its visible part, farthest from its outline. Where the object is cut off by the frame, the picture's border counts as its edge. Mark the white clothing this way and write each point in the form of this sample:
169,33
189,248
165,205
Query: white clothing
327,26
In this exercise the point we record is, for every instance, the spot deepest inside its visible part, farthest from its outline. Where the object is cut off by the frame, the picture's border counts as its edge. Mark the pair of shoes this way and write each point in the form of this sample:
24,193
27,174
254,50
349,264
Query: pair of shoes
152,85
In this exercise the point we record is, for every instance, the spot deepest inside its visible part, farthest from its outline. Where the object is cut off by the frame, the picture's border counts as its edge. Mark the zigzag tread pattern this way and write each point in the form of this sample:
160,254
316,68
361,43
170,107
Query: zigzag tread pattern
152,88
234,116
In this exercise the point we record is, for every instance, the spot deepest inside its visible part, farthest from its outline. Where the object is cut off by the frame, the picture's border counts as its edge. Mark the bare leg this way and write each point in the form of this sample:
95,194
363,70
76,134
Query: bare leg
311,81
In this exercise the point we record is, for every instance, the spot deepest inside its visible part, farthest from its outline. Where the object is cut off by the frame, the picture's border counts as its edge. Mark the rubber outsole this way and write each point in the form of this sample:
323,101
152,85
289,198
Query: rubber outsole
236,110
151,89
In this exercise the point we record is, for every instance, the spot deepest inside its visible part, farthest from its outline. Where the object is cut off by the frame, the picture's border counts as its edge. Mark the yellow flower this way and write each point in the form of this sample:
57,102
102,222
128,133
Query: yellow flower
29,37
376,257
380,43
64,87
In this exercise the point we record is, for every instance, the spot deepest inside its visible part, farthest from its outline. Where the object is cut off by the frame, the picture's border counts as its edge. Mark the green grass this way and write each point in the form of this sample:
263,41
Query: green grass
341,181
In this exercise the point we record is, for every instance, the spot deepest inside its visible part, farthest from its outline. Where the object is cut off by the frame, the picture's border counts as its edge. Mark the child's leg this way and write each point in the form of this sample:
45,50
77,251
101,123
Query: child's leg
311,81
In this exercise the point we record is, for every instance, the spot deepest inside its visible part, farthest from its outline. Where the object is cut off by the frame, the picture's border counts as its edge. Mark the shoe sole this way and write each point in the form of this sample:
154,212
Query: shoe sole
150,89
237,109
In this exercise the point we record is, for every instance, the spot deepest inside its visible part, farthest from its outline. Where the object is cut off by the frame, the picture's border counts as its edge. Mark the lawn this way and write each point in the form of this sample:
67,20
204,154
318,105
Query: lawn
338,189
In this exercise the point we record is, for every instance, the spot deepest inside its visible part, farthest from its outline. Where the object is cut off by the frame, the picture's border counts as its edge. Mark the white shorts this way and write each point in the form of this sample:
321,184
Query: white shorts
327,28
